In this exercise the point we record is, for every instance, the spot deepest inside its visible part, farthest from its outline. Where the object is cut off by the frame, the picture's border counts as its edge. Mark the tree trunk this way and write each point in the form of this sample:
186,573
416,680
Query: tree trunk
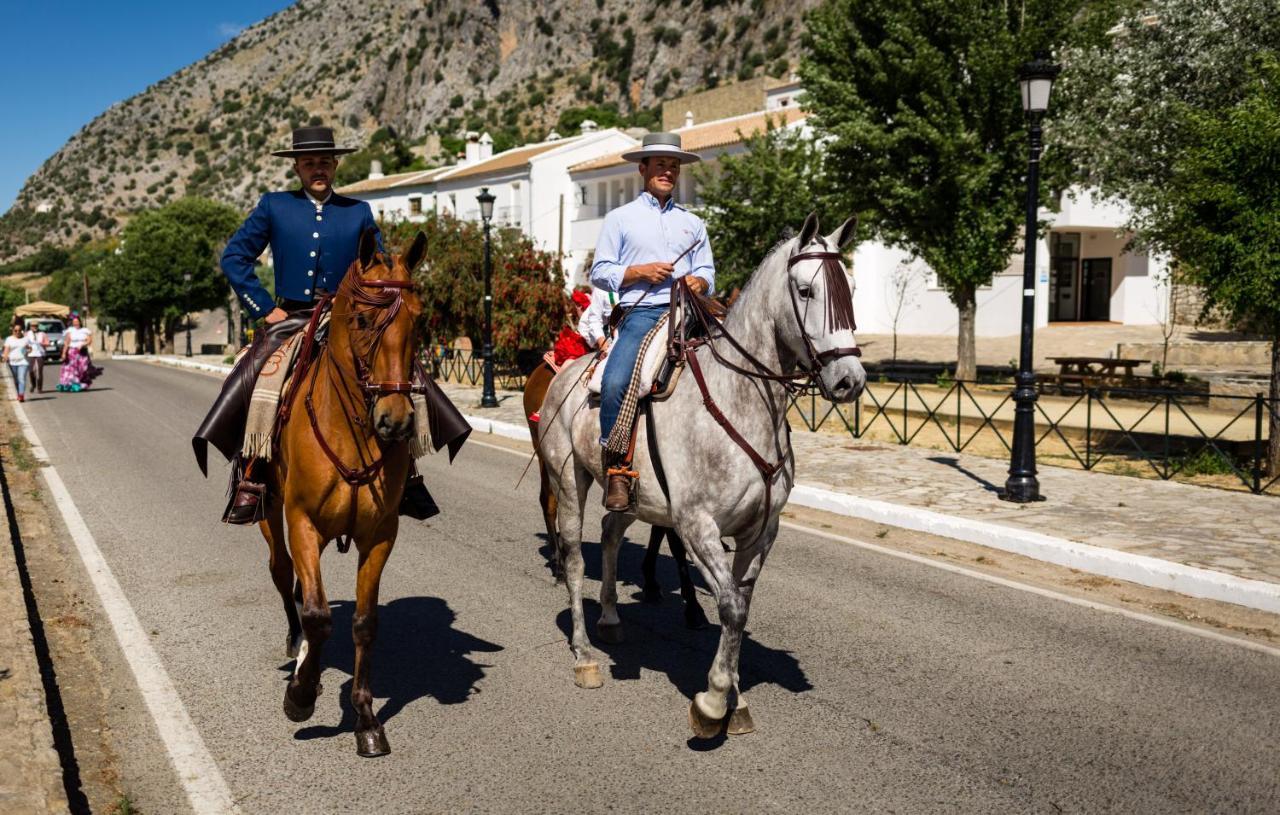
966,348
1273,447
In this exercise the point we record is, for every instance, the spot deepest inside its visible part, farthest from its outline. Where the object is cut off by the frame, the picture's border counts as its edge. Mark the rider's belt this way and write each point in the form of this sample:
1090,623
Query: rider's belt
294,305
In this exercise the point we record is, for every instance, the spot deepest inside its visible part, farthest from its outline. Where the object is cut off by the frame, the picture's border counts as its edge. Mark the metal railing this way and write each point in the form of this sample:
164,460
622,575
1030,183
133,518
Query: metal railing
1168,432
462,366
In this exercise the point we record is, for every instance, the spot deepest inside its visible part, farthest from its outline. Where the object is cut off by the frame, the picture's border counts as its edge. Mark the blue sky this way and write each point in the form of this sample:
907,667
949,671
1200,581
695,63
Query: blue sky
63,63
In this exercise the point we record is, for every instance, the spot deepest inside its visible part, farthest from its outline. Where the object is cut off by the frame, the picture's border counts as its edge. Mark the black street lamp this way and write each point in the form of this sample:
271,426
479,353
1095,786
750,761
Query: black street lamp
1036,78
186,304
488,398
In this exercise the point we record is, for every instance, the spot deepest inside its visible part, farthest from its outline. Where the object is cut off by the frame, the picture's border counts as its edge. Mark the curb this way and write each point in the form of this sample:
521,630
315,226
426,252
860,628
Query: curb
1113,563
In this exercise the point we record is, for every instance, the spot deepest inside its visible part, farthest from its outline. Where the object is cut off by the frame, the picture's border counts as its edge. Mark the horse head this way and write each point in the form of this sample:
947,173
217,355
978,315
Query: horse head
374,321
816,316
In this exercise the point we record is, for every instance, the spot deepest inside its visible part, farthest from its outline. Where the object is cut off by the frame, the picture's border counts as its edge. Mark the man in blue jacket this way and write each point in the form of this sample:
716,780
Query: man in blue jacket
314,235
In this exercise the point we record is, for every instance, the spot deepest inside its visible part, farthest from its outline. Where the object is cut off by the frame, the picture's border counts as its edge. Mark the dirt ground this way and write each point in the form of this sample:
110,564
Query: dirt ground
67,606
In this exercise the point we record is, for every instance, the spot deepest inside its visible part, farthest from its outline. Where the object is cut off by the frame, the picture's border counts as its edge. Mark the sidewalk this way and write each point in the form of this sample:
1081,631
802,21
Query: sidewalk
30,770
1195,540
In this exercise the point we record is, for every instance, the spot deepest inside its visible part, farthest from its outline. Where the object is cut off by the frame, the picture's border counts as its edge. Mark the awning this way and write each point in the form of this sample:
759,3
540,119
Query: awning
41,308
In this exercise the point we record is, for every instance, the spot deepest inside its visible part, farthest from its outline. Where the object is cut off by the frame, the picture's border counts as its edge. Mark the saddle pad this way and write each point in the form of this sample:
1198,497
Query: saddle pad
650,365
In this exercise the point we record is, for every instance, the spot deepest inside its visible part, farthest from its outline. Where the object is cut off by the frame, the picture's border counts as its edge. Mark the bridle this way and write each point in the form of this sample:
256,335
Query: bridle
386,297
839,316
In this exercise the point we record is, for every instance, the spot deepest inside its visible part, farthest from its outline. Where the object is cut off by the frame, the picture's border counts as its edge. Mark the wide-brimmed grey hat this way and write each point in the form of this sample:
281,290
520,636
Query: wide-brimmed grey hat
661,144
309,141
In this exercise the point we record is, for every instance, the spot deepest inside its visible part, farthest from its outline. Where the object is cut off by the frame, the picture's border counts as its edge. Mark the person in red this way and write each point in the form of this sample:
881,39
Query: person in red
570,344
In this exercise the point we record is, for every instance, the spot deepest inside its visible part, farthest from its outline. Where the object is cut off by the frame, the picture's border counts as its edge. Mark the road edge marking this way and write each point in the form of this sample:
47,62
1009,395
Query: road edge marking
197,772
1144,570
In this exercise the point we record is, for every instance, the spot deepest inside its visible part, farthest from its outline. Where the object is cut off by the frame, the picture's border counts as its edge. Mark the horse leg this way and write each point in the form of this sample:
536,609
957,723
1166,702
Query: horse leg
371,741
282,574
586,671
693,616
609,627
710,707
547,498
747,563
317,622
651,591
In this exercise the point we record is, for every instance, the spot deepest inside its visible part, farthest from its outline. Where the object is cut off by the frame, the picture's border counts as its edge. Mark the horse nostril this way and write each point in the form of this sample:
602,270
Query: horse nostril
844,385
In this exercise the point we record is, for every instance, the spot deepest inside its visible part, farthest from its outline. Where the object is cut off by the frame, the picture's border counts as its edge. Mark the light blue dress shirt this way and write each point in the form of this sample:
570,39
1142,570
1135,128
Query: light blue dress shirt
645,232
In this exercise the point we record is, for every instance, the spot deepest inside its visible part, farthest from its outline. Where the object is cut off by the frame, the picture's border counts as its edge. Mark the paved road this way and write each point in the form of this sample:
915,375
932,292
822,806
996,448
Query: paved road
877,684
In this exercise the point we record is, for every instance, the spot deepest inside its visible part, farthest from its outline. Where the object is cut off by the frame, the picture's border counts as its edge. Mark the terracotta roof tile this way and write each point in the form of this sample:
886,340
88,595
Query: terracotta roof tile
720,133
506,160
390,181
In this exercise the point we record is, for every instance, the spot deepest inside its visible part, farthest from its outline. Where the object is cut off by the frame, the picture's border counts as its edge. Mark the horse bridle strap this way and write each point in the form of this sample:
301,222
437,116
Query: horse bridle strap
819,358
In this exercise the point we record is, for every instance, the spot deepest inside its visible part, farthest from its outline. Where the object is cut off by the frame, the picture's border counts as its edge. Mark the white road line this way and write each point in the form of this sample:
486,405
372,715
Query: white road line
198,773
999,581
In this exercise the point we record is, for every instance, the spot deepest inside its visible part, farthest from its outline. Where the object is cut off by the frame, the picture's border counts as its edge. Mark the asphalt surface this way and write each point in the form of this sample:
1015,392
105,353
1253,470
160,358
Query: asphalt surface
876,684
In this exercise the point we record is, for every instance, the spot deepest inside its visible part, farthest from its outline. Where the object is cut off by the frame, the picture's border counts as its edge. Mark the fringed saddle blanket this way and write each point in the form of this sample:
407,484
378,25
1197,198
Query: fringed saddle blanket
276,376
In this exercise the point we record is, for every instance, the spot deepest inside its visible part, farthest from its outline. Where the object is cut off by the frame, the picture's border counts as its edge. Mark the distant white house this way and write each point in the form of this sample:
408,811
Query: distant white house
531,184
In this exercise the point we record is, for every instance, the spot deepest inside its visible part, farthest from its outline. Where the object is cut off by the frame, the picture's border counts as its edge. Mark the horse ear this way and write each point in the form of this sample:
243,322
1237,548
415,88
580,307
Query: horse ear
368,246
844,236
807,231
416,253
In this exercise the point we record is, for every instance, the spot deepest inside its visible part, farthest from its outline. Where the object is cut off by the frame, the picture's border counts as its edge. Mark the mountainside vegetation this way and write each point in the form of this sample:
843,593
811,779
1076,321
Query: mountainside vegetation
417,73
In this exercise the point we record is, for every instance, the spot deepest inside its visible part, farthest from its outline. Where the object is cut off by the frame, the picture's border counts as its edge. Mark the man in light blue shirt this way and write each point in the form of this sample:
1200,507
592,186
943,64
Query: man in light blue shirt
643,247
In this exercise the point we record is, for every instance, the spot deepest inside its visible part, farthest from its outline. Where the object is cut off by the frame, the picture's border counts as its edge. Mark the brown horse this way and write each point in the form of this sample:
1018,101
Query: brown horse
535,391
341,468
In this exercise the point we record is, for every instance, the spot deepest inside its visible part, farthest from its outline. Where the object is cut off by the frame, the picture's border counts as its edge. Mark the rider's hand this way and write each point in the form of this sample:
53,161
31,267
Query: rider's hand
648,273
277,314
698,285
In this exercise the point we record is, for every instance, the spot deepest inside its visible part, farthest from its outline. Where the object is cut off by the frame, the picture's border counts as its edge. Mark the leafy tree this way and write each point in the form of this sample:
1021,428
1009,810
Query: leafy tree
143,283
529,300
66,285
10,298
1222,219
927,134
751,198
1188,97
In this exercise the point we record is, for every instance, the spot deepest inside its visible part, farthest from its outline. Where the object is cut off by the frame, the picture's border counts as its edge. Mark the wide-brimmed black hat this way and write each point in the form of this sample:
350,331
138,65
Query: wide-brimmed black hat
308,141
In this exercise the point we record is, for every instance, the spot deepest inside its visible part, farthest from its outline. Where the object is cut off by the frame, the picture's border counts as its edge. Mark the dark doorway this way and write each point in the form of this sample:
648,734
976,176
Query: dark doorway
1064,269
1095,289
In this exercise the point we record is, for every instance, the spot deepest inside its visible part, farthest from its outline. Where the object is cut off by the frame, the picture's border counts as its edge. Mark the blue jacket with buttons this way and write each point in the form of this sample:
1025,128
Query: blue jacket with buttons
312,246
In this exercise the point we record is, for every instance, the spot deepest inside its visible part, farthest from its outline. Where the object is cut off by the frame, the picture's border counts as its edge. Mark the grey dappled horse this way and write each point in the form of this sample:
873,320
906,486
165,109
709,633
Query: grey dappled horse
784,320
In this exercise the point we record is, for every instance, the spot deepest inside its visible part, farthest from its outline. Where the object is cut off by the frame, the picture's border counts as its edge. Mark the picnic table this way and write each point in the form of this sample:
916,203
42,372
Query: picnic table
1081,373
1097,366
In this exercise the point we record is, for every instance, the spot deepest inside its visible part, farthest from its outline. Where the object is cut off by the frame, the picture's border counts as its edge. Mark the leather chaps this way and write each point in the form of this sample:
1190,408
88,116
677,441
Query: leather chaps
223,427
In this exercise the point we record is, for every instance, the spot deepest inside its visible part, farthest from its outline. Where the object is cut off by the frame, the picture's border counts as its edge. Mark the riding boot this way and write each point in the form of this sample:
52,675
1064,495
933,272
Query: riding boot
416,502
248,503
618,486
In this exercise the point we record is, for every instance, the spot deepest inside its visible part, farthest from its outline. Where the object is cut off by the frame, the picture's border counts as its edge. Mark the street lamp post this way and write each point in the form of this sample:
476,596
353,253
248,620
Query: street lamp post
488,398
186,305
1036,78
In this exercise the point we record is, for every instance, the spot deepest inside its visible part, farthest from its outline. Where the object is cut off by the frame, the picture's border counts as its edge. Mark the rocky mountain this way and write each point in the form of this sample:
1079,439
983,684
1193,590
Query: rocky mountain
423,70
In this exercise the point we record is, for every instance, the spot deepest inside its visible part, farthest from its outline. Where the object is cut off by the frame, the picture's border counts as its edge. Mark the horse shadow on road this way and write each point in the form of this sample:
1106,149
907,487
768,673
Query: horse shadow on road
418,653
657,639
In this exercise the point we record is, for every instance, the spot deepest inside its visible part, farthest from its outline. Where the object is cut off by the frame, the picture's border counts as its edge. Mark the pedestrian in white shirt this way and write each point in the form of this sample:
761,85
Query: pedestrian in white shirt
37,341
591,325
15,354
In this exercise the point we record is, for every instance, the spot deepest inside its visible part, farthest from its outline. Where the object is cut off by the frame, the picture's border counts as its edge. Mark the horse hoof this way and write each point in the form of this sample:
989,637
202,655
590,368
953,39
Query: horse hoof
740,722
704,727
372,743
611,634
295,712
587,676
694,619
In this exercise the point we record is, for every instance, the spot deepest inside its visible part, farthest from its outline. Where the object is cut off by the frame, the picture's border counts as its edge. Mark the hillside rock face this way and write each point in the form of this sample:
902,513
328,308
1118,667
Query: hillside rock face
417,66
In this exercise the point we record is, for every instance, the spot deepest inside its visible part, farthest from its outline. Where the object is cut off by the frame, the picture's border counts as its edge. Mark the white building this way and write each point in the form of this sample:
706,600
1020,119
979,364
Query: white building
531,184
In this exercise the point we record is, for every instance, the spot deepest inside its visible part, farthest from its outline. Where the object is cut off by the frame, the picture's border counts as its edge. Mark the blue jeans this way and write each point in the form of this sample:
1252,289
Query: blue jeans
622,360
19,377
